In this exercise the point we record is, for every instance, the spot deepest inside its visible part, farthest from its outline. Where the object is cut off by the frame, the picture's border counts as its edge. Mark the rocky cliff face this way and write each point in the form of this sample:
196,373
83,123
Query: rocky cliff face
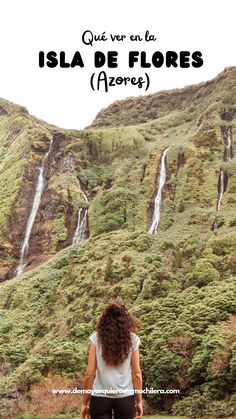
180,282
25,141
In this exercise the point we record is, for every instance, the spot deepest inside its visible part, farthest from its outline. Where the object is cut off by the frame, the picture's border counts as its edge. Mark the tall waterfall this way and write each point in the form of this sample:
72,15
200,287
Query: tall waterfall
34,210
228,146
228,155
158,198
221,189
82,220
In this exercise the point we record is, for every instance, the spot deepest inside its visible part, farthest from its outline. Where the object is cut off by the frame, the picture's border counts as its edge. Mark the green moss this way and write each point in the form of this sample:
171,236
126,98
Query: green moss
59,230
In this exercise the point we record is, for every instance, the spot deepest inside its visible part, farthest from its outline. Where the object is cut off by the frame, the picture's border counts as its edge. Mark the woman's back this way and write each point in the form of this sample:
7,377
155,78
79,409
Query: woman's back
113,377
113,372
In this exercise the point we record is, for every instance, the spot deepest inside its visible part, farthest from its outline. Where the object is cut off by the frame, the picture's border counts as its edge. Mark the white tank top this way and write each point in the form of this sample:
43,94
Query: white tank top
116,379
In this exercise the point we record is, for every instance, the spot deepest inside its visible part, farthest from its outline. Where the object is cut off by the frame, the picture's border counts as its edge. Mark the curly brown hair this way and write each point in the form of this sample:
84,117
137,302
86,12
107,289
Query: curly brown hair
114,329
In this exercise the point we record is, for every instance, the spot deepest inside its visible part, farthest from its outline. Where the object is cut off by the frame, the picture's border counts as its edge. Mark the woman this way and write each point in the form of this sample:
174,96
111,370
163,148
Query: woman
114,358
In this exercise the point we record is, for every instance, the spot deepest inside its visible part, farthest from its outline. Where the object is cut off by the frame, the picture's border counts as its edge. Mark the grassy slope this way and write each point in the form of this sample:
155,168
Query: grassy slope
14,128
187,306
179,104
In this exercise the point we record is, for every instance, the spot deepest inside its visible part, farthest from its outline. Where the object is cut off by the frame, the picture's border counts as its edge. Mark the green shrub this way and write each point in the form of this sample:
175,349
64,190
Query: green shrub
204,273
194,405
143,242
224,245
28,373
232,222
181,206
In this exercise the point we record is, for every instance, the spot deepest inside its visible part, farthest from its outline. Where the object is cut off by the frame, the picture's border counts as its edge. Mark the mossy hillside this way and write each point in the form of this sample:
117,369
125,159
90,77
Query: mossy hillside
185,307
118,167
13,129
194,185
117,157
191,101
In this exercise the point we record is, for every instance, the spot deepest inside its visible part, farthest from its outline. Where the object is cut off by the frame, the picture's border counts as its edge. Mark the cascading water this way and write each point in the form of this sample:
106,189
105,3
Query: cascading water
143,285
82,221
228,146
221,189
228,155
34,210
158,198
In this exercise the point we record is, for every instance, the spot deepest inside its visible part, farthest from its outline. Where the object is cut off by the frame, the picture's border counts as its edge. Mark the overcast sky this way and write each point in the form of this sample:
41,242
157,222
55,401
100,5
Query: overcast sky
64,96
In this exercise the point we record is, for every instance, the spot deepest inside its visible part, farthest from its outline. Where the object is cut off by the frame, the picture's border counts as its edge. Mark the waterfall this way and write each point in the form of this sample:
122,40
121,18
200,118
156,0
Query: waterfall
228,146
82,220
221,189
34,210
158,198
228,155
143,285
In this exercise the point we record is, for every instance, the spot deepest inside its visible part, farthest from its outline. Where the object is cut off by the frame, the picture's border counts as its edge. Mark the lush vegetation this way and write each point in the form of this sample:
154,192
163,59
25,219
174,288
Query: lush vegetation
180,284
